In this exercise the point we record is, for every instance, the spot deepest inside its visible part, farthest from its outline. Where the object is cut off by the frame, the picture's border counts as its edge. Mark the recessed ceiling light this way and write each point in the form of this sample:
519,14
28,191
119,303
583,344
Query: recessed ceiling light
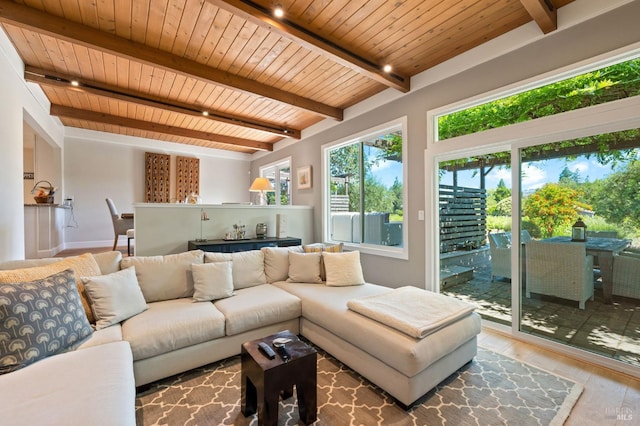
278,12
205,113
75,83
387,68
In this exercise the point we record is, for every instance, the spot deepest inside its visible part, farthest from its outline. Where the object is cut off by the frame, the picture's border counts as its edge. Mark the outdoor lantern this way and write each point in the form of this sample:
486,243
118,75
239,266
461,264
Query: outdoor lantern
579,231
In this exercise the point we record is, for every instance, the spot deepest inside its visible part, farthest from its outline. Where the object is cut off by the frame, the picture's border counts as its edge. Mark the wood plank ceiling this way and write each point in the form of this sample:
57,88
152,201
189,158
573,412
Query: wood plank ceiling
151,68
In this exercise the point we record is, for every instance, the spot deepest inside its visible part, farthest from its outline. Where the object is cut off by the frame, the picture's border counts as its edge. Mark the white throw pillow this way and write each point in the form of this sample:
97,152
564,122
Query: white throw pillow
212,281
343,269
304,267
114,297
248,267
276,262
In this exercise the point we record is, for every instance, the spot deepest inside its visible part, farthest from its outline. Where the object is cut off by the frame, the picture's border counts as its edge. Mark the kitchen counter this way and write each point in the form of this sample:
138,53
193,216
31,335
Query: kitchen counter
44,229
59,206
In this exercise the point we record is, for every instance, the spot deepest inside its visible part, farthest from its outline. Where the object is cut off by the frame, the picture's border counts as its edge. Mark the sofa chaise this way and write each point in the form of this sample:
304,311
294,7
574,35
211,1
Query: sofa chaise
179,327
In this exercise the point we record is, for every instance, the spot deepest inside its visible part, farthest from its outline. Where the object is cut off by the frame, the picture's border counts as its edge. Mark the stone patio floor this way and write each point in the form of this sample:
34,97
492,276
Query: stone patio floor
609,330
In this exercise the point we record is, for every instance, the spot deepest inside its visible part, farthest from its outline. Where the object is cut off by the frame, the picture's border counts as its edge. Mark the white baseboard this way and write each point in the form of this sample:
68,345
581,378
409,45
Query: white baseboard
92,244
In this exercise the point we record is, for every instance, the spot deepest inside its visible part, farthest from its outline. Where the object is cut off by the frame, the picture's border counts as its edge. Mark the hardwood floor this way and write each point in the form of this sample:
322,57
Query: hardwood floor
609,397
76,252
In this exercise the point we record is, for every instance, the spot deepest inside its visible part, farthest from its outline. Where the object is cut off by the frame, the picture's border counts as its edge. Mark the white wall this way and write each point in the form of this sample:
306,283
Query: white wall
113,167
224,180
19,102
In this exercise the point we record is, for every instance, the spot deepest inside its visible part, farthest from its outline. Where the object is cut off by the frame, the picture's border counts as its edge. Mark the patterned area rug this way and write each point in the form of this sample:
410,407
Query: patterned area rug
491,390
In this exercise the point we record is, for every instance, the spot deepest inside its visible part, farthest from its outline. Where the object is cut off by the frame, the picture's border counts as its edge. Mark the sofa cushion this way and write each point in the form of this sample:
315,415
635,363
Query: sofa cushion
93,386
248,267
164,277
258,306
320,247
114,297
276,262
103,336
83,266
109,262
40,318
343,269
304,267
212,281
172,324
27,263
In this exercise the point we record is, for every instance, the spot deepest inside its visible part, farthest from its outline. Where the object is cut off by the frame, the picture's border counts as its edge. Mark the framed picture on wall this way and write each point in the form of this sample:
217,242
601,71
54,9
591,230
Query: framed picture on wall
304,177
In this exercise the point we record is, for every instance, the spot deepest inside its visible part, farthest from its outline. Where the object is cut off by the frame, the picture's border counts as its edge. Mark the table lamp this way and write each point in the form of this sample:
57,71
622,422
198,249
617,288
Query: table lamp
262,185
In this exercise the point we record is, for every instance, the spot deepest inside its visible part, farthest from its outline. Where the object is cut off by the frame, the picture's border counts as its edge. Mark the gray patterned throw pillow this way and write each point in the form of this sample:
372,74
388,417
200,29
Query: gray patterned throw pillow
39,319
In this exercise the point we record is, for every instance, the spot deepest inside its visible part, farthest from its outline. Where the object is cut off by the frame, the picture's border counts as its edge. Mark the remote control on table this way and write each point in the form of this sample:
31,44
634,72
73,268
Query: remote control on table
284,354
266,349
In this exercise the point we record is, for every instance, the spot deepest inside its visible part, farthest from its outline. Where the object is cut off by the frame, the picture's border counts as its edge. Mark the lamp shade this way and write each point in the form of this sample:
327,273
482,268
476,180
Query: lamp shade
261,184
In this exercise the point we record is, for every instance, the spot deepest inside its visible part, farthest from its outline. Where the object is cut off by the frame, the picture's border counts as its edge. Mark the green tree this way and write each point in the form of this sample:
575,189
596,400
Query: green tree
503,208
568,177
377,198
617,197
501,191
396,193
551,206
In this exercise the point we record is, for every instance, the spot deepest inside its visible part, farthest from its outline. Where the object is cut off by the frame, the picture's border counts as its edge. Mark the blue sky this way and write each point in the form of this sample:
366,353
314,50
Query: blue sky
536,174
387,171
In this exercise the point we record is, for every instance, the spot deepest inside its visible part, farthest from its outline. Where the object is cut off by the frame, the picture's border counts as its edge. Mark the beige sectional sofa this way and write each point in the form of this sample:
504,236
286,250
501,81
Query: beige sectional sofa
175,333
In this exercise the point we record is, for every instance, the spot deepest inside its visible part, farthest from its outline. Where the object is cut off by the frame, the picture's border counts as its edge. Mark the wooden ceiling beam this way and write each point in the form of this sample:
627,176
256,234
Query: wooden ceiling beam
543,12
314,42
73,32
56,79
114,120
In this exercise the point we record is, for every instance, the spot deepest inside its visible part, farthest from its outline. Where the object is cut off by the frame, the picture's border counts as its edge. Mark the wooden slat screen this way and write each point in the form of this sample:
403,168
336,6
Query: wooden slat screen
187,177
156,177
463,218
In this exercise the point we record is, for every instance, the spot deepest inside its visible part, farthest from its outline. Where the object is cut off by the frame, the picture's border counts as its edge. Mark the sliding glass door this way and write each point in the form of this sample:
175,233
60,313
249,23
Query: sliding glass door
475,242
584,294
583,290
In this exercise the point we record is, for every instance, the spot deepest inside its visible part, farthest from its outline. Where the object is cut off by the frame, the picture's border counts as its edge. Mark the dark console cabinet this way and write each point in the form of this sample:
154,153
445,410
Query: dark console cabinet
231,246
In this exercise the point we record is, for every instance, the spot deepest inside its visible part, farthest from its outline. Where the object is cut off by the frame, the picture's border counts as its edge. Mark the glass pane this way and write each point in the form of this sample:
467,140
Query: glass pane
285,186
344,199
383,195
585,294
366,191
475,233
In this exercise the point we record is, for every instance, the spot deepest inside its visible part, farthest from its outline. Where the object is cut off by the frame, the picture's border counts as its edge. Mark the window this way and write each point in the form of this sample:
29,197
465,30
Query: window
364,191
279,174
599,86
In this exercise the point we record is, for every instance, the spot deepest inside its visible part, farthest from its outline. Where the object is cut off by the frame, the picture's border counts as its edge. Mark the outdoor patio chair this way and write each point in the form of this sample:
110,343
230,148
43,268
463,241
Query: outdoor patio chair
626,274
500,247
559,269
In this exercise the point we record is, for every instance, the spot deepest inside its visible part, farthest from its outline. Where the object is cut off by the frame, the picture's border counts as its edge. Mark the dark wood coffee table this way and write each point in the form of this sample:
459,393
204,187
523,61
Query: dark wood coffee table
263,380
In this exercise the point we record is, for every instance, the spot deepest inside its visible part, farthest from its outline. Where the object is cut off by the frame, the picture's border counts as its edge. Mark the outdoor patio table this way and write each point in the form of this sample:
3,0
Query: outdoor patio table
604,249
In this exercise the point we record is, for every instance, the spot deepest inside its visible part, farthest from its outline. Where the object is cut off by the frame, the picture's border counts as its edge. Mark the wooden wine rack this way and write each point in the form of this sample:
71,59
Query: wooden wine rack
187,177
156,177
